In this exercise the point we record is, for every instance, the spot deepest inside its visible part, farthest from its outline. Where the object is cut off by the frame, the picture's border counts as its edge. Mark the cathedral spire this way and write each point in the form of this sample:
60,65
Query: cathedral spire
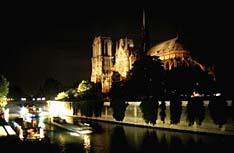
144,34
143,19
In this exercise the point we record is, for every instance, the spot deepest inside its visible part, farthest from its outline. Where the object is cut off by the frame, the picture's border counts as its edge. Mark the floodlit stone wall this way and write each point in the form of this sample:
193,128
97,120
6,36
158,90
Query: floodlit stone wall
206,118
208,124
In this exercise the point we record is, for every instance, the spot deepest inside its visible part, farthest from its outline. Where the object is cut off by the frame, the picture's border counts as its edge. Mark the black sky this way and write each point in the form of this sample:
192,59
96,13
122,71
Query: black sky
40,42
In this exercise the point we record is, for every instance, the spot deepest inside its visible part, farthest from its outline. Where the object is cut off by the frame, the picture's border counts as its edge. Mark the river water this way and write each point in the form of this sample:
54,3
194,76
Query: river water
115,138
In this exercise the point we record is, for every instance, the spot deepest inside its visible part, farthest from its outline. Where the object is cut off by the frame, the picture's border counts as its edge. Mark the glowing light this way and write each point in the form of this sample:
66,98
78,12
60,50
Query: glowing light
218,94
18,127
41,133
6,114
74,134
87,144
23,110
2,131
41,122
23,99
21,136
86,131
29,112
58,108
9,130
195,94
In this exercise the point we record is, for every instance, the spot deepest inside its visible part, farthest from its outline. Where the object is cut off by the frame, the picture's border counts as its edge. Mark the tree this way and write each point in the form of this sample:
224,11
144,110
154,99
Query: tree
149,110
51,88
89,96
84,86
88,90
116,94
175,110
195,111
162,112
119,107
218,109
61,96
185,80
145,79
4,89
16,92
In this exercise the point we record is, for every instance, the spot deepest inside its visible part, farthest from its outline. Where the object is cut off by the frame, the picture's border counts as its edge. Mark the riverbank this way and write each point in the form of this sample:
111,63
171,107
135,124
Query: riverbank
207,119
169,128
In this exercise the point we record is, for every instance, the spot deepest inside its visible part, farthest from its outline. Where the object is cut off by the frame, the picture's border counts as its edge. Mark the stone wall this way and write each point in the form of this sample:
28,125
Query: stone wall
209,123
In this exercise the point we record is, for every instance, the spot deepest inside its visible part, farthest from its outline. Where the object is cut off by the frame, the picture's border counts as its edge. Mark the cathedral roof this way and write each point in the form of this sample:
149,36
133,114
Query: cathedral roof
165,46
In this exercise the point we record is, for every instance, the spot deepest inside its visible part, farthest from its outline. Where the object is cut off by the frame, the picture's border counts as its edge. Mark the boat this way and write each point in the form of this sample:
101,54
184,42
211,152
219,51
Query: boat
27,131
80,128
6,130
30,111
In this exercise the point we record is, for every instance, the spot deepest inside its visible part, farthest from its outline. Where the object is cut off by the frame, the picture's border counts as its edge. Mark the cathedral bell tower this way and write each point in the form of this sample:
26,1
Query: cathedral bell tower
102,62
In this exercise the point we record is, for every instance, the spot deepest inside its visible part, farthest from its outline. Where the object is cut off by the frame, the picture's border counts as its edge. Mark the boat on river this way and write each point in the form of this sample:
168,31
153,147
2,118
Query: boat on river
29,111
80,128
28,131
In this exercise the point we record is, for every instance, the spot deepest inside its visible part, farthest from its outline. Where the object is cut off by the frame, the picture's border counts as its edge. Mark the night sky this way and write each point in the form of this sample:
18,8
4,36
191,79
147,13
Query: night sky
40,42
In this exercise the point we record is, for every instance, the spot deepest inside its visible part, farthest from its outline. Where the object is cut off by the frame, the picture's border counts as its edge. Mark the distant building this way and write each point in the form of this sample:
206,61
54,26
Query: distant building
106,61
172,54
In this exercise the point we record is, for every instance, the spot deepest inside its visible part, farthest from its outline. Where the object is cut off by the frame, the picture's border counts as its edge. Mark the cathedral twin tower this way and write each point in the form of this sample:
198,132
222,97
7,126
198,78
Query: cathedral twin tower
105,62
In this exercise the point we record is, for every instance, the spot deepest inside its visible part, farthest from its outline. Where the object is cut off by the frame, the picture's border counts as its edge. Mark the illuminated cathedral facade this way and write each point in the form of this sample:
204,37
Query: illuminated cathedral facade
106,60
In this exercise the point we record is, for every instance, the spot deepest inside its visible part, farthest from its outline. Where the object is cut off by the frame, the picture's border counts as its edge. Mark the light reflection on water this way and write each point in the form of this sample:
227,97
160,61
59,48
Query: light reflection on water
69,142
113,138
87,143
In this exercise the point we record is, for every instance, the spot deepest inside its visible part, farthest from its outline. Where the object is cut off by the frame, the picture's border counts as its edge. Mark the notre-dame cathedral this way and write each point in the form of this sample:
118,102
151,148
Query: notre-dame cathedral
106,61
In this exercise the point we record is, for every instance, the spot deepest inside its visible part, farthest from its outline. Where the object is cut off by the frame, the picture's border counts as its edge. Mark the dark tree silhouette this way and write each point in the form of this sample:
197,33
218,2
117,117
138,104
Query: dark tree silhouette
119,107
117,96
149,109
89,99
195,111
145,78
16,92
89,108
51,88
97,108
162,111
175,111
219,111
76,107
86,108
184,80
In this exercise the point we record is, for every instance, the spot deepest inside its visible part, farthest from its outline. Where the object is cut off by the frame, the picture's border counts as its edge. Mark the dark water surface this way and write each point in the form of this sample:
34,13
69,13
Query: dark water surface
114,138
